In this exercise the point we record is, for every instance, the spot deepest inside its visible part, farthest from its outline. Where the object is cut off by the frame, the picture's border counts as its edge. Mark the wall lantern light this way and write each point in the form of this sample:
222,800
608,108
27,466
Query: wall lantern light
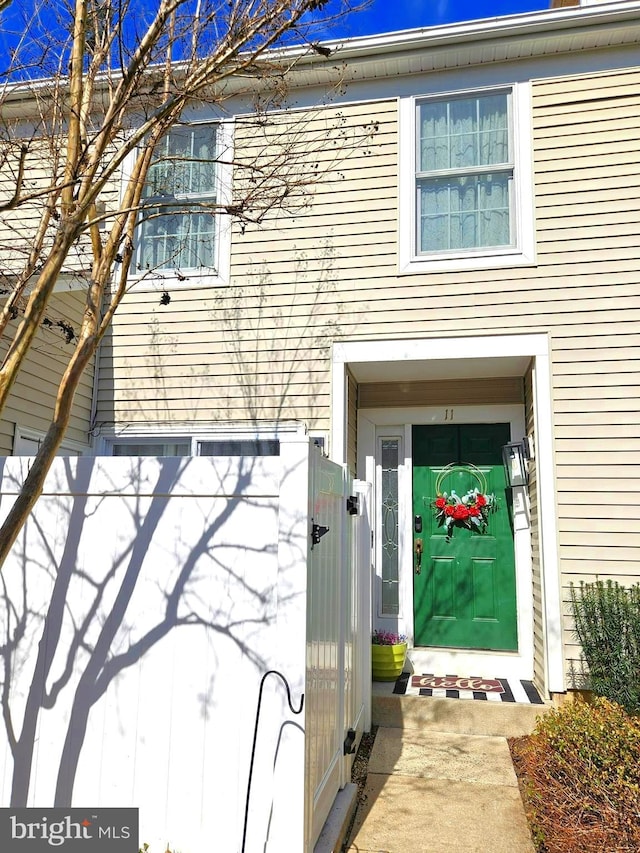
514,458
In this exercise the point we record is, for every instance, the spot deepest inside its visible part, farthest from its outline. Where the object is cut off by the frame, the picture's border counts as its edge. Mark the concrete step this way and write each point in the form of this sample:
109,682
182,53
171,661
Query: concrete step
441,791
422,754
457,716
403,814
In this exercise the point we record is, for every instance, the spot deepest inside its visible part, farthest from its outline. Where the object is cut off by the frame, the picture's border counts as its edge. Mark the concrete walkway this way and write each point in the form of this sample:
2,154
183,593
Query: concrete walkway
441,780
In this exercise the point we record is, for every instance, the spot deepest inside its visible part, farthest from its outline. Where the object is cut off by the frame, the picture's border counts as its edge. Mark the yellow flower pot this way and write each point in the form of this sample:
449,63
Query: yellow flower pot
387,662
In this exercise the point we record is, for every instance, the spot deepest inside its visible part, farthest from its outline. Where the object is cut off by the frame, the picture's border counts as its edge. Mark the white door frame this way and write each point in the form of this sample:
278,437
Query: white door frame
374,423
349,355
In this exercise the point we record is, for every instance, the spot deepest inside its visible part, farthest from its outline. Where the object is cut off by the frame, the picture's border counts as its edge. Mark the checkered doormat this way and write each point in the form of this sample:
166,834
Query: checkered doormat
457,687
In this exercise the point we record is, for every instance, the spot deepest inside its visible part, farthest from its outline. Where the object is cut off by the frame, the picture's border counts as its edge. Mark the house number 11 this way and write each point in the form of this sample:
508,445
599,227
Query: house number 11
448,414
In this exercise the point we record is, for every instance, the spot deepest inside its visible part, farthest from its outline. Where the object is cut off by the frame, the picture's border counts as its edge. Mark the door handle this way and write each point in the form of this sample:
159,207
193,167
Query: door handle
417,547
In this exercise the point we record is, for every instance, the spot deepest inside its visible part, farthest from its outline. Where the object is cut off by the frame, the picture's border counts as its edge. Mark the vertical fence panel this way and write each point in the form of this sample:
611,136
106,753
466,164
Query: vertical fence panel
208,566
142,605
325,643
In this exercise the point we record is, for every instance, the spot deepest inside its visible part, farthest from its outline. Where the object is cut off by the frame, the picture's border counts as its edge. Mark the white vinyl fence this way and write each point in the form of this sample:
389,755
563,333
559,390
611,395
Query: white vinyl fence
140,612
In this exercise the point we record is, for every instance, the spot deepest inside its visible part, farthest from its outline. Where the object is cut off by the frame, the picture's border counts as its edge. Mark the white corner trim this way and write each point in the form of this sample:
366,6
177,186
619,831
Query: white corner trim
339,386
549,557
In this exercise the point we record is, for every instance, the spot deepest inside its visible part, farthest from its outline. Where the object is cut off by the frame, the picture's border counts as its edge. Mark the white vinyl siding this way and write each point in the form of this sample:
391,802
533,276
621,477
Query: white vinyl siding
18,226
32,399
261,348
588,187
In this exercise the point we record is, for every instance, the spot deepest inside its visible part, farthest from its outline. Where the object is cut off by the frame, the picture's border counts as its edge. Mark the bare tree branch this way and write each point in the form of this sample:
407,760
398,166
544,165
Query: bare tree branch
129,74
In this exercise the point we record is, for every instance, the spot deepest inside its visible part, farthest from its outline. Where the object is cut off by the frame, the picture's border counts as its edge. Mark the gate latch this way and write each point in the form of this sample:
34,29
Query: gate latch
317,532
352,505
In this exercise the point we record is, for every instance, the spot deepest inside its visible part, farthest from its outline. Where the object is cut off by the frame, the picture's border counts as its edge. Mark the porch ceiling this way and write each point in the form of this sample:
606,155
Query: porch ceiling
439,368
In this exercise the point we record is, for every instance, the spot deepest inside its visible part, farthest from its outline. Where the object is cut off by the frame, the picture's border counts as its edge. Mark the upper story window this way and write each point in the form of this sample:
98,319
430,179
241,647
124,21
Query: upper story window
464,173
467,200
178,230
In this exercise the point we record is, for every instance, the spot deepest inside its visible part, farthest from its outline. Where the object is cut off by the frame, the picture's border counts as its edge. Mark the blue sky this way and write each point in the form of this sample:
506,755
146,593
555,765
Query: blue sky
380,16
388,15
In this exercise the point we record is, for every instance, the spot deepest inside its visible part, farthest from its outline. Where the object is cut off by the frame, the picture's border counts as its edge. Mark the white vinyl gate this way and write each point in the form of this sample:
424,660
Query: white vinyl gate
338,595
140,609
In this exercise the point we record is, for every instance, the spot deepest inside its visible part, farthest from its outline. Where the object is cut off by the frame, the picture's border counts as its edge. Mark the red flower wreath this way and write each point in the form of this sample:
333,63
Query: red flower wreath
470,511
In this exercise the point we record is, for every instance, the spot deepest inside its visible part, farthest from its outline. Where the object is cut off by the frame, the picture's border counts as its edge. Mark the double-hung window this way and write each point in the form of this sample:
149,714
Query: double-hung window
467,199
178,222
464,176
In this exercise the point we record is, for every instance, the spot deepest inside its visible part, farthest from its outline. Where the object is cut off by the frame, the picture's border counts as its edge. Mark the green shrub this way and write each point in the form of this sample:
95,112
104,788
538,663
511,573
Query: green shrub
580,779
607,625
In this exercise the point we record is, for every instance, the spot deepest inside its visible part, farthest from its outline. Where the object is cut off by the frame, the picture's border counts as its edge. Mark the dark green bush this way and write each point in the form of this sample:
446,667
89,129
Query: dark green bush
607,624
580,779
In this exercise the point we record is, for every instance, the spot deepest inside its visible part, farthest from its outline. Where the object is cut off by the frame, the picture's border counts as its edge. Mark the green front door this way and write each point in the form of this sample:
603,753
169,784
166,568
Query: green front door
464,585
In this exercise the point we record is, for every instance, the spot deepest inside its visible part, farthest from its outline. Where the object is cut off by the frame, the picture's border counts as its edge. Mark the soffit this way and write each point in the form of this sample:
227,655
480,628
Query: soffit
495,40
442,58
444,368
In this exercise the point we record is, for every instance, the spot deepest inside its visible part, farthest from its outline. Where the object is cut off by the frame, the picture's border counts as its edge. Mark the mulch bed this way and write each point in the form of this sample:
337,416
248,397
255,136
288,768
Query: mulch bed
562,822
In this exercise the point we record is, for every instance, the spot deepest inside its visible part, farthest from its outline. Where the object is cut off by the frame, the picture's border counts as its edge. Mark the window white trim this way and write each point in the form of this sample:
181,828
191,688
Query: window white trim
523,253
219,275
69,447
159,433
